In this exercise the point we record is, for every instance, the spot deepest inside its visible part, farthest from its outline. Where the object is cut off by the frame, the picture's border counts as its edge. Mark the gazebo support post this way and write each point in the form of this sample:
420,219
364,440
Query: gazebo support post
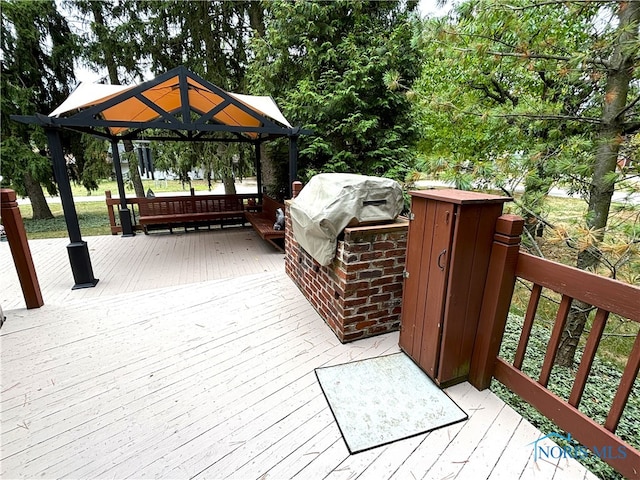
293,162
123,210
258,166
77,249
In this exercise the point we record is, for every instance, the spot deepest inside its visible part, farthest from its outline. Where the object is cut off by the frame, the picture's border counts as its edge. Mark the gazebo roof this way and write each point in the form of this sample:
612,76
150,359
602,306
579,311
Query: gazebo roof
179,103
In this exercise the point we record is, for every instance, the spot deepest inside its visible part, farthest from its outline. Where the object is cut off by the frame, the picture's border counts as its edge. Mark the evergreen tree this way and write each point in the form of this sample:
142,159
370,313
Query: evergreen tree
37,67
326,64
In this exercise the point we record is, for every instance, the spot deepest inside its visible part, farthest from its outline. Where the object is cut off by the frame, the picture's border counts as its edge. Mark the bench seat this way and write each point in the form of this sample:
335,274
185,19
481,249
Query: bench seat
167,212
262,222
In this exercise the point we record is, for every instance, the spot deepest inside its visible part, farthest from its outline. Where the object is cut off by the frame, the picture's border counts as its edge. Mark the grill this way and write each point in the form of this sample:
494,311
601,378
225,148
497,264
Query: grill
330,202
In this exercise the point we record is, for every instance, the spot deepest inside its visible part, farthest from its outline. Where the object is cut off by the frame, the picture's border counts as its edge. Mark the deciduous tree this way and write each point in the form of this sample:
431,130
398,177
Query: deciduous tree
538,93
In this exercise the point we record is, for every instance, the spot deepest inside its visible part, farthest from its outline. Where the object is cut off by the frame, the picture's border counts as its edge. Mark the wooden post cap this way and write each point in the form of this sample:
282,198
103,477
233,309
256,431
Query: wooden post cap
509,224
7,195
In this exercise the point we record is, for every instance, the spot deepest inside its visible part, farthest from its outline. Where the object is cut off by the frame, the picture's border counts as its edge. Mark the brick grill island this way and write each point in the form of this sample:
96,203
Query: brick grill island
359,294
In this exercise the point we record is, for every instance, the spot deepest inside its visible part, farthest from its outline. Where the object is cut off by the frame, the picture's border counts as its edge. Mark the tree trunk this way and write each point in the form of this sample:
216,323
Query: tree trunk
256,18
39,205
112,66
229,184
536,188
619,77
134,173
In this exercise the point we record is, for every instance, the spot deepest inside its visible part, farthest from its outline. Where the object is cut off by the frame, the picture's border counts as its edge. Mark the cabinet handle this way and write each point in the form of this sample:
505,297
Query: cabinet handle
442,253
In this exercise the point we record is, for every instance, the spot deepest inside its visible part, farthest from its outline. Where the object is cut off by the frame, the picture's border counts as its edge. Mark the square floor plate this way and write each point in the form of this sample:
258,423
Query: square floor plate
385,399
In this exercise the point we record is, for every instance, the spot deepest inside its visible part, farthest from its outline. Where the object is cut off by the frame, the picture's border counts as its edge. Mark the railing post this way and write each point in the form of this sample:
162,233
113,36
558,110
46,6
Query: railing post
296,187
12,221
112,216
496,300
125,214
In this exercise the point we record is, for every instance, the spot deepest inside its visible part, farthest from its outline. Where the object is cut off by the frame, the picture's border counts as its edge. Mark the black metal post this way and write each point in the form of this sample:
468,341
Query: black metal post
77,250
123,210
258,168
293,162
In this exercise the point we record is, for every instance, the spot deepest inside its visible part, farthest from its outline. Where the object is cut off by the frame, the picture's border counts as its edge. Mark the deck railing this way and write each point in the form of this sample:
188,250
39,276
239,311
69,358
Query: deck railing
133,204
605,295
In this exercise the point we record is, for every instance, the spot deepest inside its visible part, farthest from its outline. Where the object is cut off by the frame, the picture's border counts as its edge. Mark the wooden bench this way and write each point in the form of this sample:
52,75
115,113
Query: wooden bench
262,221
199,210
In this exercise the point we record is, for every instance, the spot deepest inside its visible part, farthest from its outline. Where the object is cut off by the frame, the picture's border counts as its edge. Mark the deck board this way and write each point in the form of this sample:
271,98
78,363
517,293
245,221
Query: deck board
194,357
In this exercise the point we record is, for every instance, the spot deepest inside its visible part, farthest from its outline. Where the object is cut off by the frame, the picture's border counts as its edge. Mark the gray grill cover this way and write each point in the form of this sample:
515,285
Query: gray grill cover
330,202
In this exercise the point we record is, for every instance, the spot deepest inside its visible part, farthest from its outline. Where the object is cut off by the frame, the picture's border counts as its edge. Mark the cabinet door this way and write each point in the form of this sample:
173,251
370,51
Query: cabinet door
428,253
412,306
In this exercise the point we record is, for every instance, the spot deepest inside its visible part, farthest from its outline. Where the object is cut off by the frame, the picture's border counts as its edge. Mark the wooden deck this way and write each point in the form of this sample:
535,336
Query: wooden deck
194,357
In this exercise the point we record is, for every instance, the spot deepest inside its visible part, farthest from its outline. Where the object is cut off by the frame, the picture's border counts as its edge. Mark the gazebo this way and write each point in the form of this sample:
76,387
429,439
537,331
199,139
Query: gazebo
176,106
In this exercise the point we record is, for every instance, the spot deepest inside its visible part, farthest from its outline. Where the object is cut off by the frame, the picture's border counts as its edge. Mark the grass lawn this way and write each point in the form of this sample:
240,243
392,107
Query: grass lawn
155,185
92,217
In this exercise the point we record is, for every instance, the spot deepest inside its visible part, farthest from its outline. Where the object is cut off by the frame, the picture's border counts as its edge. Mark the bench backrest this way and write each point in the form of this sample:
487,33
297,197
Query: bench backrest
269,207
176,205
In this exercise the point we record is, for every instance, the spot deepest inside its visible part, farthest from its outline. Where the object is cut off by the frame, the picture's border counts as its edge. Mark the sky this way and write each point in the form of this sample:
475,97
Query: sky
431,7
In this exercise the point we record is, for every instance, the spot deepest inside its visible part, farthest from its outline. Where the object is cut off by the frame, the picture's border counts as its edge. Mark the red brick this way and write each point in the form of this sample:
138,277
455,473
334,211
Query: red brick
350,257
357,247
367,292
355,319
352,287
351,276
352,336
363,325
367,256
355,267
383,297
355,302
385,280
396,252
381,329
394,270
348,312
373,273
392,287
389,262
379,314
367,308
385,245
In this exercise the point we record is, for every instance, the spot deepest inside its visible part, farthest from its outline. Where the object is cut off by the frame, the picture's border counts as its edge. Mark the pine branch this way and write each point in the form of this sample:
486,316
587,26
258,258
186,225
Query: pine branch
563,2
534,116
628,107
539,56
572,118
530,212
630,127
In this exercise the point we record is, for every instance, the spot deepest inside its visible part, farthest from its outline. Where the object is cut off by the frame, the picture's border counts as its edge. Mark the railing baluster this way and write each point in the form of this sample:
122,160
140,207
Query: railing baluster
588,355
607,296
528,324
554,341
624,389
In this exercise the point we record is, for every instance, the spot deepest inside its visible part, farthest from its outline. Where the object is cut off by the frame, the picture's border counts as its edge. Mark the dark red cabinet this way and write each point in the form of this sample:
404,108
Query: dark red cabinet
449,244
